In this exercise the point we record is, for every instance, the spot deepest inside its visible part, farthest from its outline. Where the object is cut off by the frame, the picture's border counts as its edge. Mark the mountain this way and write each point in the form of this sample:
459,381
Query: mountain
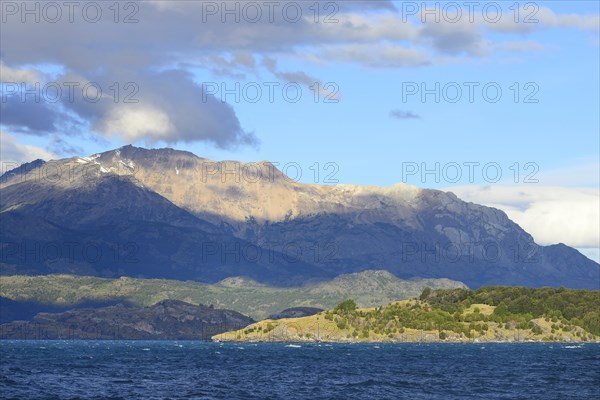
193,218
166,320
89,221
24,296
22,170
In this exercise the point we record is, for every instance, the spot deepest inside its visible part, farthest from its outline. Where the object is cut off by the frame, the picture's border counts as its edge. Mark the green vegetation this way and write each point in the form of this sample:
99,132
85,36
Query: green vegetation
393,318
519,305
240,294
346,306
486,314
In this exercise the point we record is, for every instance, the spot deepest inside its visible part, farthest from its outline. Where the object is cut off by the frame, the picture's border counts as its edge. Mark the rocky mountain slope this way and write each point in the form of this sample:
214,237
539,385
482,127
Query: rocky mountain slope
21,297
250,219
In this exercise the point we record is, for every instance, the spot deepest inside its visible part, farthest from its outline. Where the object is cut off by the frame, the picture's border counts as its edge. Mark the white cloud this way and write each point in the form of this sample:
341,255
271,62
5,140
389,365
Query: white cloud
15,153
531,19
583,172
551,214
135,123
586,22
19,75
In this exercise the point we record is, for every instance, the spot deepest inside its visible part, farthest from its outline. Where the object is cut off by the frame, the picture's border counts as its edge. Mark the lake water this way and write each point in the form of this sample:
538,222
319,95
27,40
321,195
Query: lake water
201,370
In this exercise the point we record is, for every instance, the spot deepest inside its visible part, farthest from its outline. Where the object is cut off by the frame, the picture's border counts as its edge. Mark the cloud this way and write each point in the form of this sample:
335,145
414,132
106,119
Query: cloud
62,147
14,153
188,32
404,114
454,38
172,108
132,123
550,19
532,18
18,75
27,115
327,91
581,172
375,55
179,35
150,107
551,214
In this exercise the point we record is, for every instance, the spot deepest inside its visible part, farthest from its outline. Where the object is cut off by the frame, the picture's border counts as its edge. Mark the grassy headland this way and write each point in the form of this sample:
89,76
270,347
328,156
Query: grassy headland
455,315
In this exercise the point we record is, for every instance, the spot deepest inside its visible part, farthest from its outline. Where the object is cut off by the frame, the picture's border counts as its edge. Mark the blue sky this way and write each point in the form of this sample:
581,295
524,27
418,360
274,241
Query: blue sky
370,146
370,54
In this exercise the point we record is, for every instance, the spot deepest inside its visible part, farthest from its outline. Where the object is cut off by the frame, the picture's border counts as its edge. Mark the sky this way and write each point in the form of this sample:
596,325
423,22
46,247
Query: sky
495,101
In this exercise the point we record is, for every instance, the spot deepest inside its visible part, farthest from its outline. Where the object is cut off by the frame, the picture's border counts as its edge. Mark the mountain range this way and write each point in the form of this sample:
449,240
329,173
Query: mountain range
164,213
22,297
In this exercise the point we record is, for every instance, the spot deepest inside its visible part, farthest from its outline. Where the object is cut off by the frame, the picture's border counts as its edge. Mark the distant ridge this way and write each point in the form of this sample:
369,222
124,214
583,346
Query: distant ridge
369,288
165,320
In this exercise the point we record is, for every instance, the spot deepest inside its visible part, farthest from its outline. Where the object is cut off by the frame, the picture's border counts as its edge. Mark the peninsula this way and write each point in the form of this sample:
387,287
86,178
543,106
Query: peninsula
489,314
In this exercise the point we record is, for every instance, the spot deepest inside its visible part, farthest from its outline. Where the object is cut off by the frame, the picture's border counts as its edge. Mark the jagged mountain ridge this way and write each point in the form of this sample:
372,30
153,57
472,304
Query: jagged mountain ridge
339,229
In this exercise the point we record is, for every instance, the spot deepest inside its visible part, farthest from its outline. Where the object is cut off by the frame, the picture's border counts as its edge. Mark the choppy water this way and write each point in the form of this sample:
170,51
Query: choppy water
201,370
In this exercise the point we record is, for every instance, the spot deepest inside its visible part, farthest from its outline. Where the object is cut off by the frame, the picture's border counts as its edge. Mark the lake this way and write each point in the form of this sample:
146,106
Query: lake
204,370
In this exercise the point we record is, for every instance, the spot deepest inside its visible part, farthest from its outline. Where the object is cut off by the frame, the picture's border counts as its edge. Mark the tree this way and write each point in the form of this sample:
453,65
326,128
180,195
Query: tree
425,293
346,306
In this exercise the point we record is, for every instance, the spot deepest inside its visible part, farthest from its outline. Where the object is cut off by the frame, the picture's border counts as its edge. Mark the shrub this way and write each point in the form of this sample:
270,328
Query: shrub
425,293
346,306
